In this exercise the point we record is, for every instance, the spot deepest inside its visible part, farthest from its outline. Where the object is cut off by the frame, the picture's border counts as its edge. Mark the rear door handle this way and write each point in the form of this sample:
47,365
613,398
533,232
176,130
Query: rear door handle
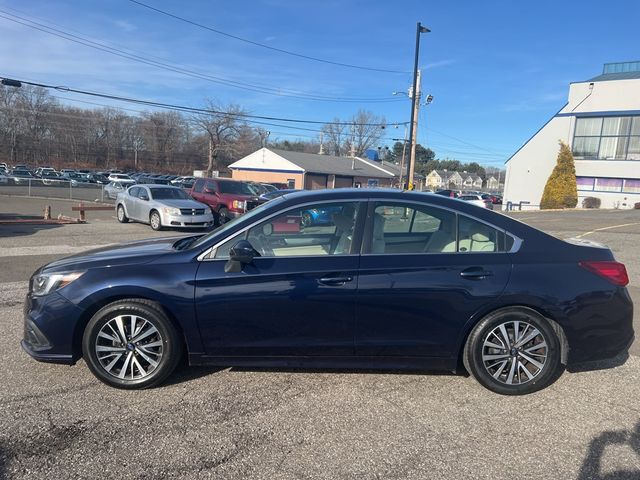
335,281
475,272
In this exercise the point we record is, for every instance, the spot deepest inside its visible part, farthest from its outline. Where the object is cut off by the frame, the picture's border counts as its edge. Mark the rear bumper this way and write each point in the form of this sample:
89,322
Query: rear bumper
603,330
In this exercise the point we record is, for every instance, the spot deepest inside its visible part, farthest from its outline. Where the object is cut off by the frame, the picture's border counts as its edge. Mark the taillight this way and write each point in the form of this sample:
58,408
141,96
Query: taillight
615,272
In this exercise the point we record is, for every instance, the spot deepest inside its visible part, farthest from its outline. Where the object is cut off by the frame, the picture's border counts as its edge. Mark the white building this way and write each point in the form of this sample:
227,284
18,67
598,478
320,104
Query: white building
601,124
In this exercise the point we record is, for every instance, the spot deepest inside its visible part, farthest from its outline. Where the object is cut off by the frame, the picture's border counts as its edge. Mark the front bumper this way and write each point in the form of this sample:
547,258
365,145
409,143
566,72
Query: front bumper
188,221
50,324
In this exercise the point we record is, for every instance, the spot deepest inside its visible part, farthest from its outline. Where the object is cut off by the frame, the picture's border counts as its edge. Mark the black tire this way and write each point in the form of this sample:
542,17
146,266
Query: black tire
170,350
155,221
122,216
489,328
223,216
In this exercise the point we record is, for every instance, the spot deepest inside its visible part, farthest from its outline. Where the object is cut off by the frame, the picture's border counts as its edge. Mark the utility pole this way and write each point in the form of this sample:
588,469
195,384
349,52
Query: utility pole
415,101
210,168
404,150
414,106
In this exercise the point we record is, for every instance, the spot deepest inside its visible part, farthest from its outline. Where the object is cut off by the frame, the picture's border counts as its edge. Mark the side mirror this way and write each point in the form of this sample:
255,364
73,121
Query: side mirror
209,191
144,197
242,253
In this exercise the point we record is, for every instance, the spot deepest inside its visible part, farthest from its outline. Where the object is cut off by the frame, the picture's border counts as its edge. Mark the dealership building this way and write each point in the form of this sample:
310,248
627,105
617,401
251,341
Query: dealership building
601,124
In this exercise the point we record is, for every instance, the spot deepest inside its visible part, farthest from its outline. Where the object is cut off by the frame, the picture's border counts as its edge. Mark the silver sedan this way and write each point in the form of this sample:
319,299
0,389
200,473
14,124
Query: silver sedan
162,206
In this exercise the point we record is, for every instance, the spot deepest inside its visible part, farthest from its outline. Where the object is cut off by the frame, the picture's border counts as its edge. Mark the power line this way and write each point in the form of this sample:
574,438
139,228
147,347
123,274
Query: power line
269,47
196,110
280,92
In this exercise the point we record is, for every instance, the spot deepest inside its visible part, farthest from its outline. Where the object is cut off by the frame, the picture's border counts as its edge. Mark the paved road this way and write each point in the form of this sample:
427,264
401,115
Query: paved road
59,422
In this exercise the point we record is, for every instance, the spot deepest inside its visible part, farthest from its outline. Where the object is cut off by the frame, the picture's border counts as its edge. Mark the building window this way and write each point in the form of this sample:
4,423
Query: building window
617,185
585,183
291,184
607,138
372,182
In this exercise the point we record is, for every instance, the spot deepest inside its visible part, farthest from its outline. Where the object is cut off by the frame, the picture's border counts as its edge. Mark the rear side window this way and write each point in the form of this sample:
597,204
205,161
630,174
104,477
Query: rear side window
211,185
134,192
198,186
475,236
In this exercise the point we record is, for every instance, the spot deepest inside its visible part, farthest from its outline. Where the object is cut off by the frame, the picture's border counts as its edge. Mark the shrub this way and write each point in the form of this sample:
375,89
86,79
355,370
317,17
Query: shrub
561,190
591,202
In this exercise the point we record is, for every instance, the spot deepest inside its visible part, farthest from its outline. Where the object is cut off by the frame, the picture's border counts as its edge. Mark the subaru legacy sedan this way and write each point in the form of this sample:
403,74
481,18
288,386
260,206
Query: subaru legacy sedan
394,280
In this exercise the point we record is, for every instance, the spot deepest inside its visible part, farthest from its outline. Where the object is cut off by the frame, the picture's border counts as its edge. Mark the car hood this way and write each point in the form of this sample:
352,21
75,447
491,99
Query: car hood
182,203
137,252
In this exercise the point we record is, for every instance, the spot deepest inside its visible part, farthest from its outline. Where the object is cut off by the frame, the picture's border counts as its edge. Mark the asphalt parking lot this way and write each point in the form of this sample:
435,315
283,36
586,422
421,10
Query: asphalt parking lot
59,422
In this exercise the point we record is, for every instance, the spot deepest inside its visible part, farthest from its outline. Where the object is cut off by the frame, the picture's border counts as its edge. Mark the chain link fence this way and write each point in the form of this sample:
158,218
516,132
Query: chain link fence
88,192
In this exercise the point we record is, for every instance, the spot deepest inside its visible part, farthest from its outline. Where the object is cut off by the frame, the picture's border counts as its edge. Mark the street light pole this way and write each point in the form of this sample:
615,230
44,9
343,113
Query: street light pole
414,98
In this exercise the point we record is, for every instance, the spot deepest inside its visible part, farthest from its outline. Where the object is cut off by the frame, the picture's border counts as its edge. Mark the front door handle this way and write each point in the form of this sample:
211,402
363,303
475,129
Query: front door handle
475,273
335,281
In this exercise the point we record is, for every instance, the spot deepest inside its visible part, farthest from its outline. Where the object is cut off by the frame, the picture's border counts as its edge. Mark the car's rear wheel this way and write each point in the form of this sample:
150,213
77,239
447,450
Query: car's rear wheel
122,216
155,221
131,344
513,351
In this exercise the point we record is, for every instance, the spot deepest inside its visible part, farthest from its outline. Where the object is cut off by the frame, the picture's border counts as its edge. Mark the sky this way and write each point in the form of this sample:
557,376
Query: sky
497,70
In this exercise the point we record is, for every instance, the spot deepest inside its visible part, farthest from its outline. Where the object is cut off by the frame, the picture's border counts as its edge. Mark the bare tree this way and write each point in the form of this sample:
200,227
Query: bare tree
334,137
366,131
354,136
222,129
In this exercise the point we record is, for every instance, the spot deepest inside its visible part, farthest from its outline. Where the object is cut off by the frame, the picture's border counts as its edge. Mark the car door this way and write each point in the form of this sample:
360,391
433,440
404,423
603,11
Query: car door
143,203
414,297
296,298
131,202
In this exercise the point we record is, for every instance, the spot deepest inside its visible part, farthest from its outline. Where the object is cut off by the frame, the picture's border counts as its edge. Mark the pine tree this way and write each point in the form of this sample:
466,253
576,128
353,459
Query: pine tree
561,190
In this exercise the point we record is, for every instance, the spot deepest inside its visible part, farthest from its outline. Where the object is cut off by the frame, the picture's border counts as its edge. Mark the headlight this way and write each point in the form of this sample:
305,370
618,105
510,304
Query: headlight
171,210
239,204
45,283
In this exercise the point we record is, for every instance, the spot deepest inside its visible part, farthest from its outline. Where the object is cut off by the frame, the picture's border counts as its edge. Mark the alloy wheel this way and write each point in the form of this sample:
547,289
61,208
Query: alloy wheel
515,352
129,347
155,221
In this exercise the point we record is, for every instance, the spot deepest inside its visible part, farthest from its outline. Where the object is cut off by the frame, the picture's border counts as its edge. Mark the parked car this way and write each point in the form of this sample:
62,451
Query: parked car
98,178
463,285
20,177
65,171
275,194
114,188
270,188
227,198
122,178
477,200
448,193
162,206
42,171
53,179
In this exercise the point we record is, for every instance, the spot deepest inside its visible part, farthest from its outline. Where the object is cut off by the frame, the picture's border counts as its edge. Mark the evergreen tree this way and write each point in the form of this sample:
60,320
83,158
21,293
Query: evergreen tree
561,190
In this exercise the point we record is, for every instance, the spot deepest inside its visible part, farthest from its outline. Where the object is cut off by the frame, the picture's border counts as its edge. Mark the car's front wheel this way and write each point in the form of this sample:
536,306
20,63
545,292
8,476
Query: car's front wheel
155,221
513,351
122,216
131,344
223,216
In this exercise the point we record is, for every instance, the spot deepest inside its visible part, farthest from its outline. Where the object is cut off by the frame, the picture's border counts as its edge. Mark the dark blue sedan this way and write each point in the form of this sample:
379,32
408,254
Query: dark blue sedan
391,279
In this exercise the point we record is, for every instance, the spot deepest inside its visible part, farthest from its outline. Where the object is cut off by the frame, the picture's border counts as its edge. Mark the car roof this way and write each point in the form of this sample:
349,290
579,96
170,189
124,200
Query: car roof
155,185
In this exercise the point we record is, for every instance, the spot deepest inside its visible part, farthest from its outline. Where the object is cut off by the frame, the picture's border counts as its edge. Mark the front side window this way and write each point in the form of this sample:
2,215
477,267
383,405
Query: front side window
134,192
316,230
198,186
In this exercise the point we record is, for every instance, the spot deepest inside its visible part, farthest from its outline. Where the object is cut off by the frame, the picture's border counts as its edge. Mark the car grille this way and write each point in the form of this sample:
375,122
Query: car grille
251,204
192,211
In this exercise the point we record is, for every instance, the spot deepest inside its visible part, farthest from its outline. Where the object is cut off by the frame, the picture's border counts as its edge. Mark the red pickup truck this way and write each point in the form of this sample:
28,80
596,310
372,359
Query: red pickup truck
227,198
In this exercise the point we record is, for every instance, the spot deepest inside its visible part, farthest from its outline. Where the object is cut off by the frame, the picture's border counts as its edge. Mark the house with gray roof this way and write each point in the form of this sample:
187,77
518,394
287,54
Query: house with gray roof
312,171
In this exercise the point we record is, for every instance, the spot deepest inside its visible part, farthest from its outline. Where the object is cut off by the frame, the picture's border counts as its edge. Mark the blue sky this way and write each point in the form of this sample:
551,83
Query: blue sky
497,69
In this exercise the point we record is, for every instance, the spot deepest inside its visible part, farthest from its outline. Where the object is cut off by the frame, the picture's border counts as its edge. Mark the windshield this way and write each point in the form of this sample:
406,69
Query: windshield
231,223
168,194
235,188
